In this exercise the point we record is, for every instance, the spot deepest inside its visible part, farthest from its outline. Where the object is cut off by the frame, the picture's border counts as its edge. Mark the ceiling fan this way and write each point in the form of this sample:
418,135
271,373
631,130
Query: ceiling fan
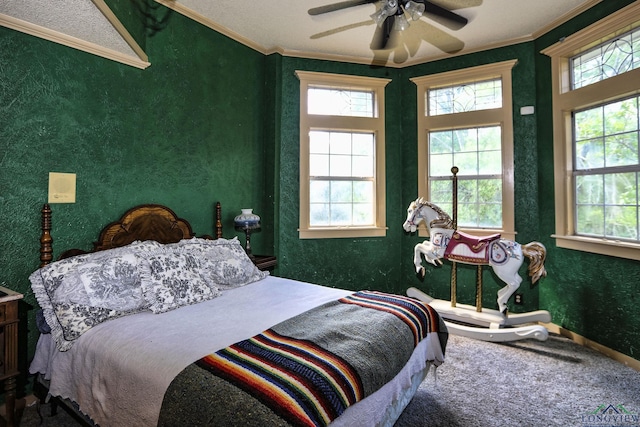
391,16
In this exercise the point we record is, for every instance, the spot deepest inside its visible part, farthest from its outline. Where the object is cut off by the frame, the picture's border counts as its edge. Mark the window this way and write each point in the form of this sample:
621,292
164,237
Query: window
342,186
466,121
596,121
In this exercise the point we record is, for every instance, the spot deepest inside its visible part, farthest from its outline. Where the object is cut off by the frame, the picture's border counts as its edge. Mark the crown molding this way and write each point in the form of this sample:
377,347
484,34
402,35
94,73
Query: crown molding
566,17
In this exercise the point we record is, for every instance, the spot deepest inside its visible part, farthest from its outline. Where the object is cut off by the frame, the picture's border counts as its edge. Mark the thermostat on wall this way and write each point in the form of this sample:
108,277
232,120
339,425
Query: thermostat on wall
525,111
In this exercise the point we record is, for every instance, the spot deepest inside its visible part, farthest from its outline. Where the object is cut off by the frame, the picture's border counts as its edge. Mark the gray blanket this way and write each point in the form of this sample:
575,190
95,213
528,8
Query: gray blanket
369,336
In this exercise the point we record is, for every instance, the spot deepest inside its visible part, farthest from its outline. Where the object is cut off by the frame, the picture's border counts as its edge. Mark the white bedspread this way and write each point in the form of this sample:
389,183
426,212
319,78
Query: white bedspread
119,370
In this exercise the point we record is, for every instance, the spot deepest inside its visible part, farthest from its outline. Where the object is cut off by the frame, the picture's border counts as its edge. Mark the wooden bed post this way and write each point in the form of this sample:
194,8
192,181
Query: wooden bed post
46,241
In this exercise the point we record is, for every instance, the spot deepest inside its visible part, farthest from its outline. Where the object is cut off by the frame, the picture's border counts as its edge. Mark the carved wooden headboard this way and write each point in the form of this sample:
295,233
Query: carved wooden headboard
144,222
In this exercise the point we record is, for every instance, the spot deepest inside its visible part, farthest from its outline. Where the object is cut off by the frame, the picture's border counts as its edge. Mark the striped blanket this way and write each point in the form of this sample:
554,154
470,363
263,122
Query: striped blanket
307,370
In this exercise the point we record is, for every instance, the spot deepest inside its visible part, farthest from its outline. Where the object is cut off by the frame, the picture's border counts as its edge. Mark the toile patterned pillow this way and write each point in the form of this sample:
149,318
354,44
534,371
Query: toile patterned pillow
114,283
225,264
71,305
173,280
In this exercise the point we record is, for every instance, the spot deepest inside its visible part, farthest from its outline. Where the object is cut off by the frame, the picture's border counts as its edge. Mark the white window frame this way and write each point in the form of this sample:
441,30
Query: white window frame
374,124
498,116
565,101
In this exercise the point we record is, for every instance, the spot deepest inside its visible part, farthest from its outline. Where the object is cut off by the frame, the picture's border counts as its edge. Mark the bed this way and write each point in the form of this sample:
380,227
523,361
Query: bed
158,327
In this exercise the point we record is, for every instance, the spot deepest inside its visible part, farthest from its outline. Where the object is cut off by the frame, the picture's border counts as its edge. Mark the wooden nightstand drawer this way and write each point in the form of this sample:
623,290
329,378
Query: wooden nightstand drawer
3,312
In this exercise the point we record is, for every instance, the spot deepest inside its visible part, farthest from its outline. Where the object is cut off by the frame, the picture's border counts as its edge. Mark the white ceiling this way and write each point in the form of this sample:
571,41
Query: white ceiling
284,26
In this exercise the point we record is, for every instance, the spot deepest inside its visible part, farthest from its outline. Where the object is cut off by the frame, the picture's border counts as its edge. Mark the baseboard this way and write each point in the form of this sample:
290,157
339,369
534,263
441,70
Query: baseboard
579,339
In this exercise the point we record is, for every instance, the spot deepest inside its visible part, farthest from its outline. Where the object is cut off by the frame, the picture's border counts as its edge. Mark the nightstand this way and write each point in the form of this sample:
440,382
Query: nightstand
264,262
9,348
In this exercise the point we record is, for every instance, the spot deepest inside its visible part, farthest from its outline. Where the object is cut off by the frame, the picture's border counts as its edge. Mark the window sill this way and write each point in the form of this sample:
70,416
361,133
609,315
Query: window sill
342,232
600,246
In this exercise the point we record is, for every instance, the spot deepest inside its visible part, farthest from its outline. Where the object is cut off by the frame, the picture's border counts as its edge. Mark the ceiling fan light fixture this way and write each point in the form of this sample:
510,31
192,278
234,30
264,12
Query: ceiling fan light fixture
400,23
415,10
390,7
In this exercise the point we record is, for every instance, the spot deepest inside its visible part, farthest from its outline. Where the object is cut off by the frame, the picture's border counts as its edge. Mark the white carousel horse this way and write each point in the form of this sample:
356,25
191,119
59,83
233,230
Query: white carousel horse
504,256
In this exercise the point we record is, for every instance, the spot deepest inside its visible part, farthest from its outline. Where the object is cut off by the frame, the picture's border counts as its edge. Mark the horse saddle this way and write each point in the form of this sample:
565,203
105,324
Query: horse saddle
469,248
475,243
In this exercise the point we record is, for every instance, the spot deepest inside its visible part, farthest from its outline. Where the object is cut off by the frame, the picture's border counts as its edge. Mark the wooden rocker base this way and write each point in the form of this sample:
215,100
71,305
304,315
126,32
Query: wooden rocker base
490,325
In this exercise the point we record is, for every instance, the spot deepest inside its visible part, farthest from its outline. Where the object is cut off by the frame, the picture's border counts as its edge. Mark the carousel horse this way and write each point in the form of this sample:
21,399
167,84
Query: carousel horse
504,256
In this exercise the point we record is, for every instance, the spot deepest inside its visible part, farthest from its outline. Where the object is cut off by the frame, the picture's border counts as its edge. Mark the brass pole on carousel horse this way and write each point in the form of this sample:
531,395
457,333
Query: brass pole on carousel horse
479,288
454,266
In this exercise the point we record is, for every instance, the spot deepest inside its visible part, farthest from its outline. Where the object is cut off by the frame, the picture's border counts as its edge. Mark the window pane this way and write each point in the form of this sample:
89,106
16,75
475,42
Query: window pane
341,214
606,60
319,192
490,190
620,189
465,140
490,138
362,214
588,124
340,166
440,164
465,97
590,190
590,154
340,191
467,191
340,102
621,150
621,116
319,214
363,144
621,222
319,142
490,162
363,192
440,142
490,215
340,142
362,166
318,165
467,163
590,220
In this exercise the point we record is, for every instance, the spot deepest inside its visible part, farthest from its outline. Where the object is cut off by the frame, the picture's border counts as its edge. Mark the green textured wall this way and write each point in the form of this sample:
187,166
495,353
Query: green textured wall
186,132
595,296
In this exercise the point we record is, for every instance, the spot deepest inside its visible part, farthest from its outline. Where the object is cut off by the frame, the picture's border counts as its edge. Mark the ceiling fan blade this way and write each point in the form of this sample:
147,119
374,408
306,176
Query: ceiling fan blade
438,38
338,6
341,29
383,34
450,19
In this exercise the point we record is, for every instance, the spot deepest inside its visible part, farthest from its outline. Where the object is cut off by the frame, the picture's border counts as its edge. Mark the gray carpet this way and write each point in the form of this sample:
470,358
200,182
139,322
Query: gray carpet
524,383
